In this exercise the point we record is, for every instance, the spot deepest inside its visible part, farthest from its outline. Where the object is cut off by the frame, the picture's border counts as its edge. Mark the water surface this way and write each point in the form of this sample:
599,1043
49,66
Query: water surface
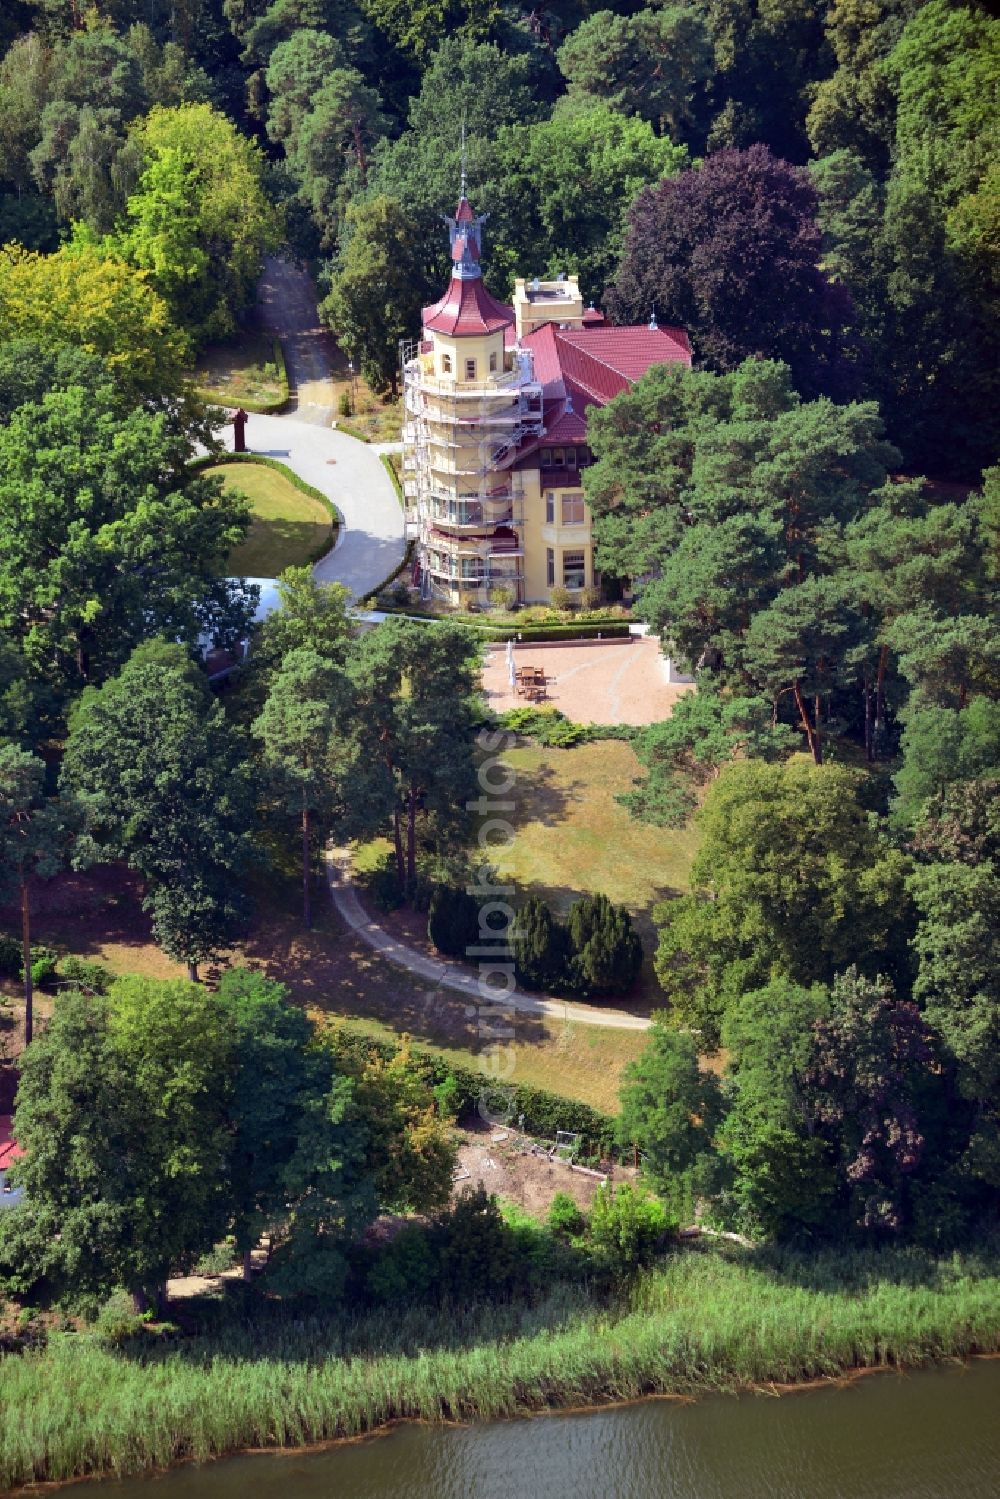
933,1434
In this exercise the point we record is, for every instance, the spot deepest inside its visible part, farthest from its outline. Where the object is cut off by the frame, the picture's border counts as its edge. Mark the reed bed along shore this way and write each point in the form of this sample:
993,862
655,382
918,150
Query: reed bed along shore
707,1320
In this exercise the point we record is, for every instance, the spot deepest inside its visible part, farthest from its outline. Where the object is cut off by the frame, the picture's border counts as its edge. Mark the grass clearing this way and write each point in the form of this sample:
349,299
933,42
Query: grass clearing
329,971
259,1375
247,370
573,838
289,528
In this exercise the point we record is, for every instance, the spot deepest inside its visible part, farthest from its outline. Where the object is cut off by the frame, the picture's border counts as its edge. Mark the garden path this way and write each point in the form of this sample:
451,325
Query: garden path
453,975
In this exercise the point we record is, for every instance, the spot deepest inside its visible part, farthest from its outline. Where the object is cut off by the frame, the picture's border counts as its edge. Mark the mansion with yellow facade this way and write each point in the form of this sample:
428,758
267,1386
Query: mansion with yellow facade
495,434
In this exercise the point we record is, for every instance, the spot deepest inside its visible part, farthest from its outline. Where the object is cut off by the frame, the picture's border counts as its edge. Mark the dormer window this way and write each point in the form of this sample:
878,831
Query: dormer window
446,364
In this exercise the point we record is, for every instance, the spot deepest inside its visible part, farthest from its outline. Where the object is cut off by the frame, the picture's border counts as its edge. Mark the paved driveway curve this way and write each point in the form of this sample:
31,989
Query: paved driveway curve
371,541
451,975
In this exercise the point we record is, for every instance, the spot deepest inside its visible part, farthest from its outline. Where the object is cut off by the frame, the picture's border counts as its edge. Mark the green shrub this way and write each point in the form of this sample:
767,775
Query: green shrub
560,598
503,597
219,1258
447,1096
384,886
10,957
406,1268
475,1247
543,1113
400,593
566,1216
627,1226
43,970
553,729
86,974
546,725
453,921
344,407
539,947
117,1321
606,952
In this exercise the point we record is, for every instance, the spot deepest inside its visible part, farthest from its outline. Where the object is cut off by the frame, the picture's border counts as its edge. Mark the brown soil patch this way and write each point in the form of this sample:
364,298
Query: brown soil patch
514,1166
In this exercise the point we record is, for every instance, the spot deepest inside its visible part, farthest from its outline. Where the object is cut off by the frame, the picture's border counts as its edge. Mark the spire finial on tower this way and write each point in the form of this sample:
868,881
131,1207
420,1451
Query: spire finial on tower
463,152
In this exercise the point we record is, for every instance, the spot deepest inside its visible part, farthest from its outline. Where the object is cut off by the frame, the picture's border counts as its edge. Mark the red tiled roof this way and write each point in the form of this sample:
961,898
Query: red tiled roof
10,1151
583,367
467,308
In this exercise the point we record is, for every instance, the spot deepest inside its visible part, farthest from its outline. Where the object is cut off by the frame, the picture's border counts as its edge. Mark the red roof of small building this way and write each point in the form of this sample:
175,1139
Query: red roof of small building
467,308
10,1151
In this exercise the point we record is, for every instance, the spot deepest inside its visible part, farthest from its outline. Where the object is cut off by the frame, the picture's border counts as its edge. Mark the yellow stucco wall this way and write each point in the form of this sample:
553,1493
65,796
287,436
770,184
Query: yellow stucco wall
462,349
540,536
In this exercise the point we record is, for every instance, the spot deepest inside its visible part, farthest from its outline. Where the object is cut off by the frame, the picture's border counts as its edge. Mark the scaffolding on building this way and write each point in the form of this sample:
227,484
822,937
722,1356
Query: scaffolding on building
457,439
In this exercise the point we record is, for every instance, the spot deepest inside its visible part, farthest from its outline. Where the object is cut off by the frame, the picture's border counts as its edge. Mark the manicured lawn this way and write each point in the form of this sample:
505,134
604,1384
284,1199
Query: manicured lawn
244,371
573,838
288,528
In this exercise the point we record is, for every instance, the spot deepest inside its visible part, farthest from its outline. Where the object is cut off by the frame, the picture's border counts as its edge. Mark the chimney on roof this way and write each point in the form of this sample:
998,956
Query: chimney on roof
653,325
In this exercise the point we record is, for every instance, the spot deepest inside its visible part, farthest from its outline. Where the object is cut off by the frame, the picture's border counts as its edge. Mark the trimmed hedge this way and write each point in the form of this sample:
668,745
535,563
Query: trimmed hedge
544,1113
210,461
342,426
524,634
386,461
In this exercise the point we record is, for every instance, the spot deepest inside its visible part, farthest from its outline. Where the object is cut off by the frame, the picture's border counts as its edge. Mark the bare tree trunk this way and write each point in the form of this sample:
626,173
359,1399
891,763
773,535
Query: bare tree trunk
883,657
397,835
359,151
869,745
812,734
29,1018
306,870
193,972
247,1264
411,838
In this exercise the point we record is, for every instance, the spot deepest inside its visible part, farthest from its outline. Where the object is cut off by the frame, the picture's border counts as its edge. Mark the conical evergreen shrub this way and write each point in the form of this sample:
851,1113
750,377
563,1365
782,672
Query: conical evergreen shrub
606,953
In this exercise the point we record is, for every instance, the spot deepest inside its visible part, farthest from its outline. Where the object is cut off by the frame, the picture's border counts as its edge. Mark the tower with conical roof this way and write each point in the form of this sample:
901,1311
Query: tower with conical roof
471,399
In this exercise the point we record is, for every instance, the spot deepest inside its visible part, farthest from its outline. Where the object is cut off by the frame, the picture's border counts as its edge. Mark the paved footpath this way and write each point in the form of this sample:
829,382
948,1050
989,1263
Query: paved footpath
451,975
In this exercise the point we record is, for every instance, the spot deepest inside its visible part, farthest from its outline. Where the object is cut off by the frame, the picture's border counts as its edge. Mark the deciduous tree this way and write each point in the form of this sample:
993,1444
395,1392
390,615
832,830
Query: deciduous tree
165,787
36,835
730,251
791,881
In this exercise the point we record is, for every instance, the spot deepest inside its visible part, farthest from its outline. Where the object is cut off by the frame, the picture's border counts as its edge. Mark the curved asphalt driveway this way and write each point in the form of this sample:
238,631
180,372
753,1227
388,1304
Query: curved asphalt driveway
371,541
372,537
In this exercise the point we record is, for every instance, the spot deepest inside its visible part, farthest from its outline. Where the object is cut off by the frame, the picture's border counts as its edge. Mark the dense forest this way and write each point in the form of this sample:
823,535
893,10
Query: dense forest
808,514
814,182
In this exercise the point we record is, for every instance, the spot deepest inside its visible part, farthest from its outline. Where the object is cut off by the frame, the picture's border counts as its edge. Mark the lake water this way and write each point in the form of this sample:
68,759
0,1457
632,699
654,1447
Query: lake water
933,1434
